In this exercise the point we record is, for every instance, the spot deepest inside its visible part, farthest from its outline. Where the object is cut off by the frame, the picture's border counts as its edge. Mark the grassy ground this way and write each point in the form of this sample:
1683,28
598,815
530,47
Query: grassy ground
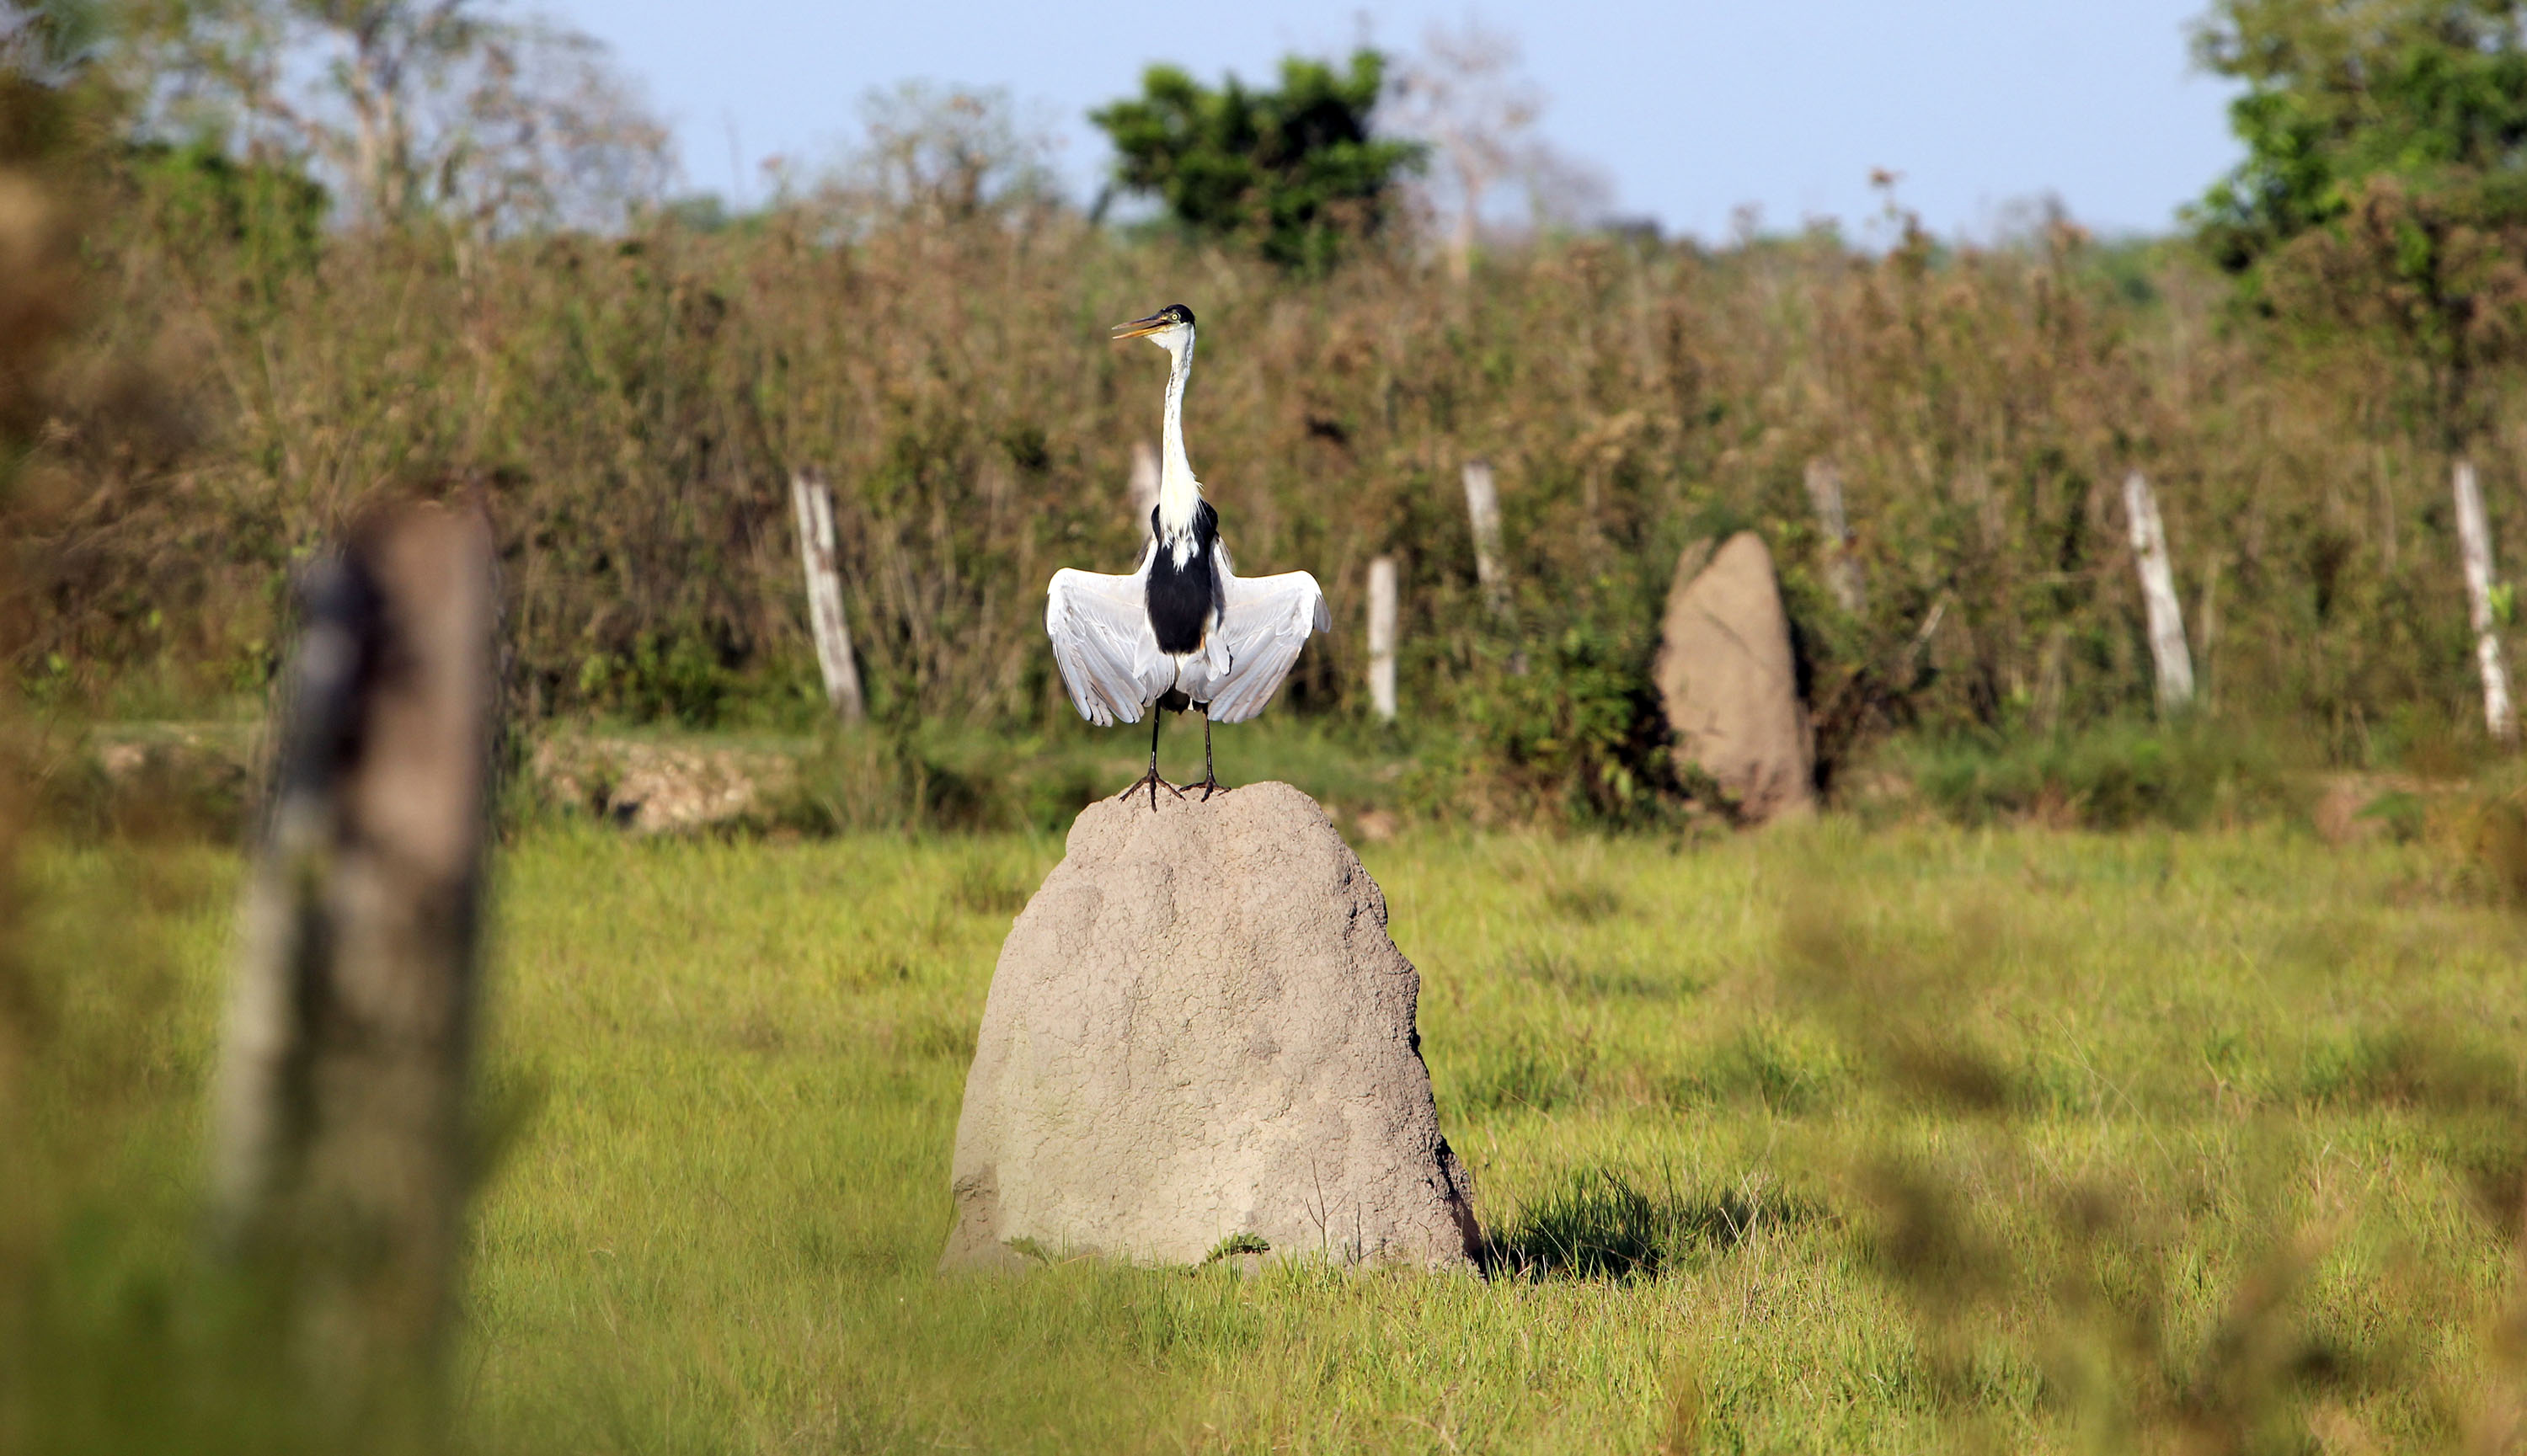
1918,1139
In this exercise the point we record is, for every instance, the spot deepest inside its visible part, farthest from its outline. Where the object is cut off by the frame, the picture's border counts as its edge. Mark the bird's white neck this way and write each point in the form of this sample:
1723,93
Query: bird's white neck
1178,492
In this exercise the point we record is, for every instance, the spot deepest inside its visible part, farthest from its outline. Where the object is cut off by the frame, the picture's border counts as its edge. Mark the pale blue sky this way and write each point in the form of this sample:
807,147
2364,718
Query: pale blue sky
1693,107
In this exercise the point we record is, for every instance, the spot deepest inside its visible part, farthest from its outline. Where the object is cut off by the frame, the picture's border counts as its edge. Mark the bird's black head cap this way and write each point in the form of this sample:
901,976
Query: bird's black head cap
1173,316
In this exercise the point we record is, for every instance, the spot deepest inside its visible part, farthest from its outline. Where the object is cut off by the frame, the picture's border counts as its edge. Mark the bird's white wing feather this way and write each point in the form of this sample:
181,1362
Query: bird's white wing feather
1110,659
1263,622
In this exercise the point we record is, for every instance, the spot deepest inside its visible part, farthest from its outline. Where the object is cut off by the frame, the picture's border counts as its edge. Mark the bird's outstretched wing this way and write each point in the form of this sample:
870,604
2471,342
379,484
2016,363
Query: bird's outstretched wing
1110,659
1263,622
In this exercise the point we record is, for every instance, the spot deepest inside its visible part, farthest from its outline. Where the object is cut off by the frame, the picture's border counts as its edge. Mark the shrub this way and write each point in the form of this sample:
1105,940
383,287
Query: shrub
630,409
1288,172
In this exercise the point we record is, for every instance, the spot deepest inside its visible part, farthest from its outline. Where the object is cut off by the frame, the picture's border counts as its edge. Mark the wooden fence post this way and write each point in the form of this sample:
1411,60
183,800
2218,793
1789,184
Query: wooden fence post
1381,637
1921,643
1145,482
817,553
1842,568
2474,538
1483,509
2167,652
341,1156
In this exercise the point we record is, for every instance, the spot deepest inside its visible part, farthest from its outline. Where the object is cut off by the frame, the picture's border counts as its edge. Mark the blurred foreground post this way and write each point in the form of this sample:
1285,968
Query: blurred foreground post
1483,508
2474,540
1841,567
2167,650
1145,484
815,503
341,1154
1381,637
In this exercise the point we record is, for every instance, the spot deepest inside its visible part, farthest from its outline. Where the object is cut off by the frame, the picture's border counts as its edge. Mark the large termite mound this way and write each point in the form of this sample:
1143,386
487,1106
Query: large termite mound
1200,1041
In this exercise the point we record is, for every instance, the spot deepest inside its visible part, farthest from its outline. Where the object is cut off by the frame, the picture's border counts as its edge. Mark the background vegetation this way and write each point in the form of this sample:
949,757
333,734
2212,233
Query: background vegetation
278,323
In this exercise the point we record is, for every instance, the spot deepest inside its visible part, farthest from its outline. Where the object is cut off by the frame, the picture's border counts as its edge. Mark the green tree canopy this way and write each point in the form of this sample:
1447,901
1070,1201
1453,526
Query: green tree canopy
1289,171
2385,183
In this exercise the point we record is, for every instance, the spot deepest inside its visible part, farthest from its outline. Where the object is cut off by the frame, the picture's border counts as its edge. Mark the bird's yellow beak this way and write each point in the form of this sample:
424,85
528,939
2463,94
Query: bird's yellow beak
1141,327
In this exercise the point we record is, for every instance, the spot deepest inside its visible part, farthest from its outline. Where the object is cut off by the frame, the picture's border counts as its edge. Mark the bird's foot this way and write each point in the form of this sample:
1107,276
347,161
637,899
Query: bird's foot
1209,784
1154,783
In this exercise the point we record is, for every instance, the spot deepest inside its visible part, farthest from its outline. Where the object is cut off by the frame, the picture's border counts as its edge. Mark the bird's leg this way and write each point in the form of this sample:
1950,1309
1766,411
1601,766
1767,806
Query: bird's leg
1211,783
1154,780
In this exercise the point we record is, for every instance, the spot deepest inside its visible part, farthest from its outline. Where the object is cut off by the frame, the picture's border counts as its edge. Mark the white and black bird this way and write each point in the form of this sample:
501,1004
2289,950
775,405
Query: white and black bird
1182,630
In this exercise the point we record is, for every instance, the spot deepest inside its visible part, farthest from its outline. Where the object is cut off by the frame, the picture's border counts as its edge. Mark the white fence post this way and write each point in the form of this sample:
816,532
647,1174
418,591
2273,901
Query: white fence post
1381,637
1483,508
817,554
2167,651
1841,567
2474,537
1145,481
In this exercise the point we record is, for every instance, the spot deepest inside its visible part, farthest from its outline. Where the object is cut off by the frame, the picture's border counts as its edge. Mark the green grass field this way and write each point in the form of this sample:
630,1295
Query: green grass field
1918,1139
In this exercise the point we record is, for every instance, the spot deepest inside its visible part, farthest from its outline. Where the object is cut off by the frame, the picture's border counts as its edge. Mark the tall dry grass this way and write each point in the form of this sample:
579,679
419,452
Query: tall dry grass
631,408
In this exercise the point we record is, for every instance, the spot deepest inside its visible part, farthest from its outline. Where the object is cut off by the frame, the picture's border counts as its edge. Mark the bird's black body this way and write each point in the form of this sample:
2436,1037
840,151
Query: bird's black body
1184,600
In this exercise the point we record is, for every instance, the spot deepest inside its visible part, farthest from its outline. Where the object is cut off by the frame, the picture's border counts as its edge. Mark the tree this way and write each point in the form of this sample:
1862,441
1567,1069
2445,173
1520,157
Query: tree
405,108
1288,172
1466,96
2385,185
43,42
947,155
